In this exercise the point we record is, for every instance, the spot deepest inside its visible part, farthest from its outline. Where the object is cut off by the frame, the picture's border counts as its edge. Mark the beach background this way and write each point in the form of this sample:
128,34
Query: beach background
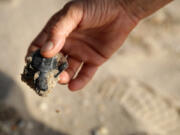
137,92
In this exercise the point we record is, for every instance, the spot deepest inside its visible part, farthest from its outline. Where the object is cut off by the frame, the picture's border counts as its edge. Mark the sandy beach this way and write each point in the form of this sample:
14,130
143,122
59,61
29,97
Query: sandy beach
136,92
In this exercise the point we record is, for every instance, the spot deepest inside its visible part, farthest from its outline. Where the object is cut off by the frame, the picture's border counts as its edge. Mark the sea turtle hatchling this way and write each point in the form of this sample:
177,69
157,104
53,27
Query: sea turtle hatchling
41,73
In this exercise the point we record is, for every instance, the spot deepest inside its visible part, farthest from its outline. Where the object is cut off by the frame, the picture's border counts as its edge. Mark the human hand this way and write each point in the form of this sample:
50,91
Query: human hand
89,32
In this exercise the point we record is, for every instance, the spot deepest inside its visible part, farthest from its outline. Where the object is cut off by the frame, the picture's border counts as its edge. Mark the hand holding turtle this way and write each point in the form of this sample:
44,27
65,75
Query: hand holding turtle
89,32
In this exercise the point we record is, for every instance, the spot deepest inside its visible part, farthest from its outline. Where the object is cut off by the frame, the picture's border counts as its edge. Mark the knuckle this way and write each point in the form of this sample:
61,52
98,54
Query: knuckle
54,30
71,71
75,10
100,61
87,76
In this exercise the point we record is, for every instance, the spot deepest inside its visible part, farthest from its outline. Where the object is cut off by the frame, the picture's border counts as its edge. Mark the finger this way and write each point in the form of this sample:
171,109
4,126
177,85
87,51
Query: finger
30,51
67,75
37,43
83,52
40,40
60,26
84,76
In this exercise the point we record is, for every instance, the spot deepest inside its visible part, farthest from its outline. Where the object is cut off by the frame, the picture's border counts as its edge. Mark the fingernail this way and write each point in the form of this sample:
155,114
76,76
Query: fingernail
47,46
63,79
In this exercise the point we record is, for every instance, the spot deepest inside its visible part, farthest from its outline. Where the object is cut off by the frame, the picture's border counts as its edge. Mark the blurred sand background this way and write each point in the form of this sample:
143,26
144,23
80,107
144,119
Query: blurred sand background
137,92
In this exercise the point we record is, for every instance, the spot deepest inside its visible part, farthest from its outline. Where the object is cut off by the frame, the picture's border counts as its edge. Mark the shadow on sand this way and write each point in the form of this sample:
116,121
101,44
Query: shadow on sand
14,117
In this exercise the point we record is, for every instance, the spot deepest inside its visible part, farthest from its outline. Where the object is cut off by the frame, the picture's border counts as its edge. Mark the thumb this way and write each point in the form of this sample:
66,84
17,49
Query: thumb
59,27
